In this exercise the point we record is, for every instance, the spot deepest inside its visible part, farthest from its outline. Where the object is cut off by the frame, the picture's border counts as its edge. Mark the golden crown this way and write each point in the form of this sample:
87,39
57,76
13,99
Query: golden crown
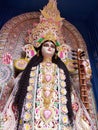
49,36
49,27
50,11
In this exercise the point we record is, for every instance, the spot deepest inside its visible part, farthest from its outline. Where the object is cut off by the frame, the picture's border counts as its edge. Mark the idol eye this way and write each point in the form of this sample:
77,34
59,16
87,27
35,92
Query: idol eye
46,45
52,46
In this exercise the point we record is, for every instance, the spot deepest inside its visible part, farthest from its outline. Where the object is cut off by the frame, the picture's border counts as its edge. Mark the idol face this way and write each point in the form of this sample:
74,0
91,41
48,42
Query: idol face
48,49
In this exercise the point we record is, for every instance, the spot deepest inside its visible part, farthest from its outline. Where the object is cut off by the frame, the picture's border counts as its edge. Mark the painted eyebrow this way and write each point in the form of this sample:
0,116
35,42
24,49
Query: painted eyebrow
48,43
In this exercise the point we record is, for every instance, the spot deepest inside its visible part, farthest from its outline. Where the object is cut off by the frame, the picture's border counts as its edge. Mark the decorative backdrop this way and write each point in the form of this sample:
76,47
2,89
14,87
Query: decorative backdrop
12,39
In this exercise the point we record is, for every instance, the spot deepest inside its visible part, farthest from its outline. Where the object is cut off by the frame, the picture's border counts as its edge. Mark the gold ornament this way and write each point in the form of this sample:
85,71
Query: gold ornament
47,100
49,27
50,11
48,70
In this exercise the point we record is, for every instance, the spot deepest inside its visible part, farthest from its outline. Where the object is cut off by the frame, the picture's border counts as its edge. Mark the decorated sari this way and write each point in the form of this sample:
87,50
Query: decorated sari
45,104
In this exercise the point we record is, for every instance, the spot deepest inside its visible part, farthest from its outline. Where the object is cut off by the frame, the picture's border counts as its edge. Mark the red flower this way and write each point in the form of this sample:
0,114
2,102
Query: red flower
75,106
7,58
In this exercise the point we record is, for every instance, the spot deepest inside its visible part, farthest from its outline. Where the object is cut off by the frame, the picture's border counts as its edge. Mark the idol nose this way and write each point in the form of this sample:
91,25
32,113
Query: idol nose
49,48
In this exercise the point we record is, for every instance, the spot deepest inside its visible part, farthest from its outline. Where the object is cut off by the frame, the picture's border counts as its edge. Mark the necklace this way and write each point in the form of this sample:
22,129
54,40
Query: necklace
48,73
47,60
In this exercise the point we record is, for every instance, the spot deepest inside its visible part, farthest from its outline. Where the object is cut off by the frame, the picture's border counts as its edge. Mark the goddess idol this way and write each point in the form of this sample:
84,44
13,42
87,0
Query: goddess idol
43,95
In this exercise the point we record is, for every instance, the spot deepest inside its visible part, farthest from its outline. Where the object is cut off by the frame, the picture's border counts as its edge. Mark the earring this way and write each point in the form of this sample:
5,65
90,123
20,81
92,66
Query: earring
56,55
38,53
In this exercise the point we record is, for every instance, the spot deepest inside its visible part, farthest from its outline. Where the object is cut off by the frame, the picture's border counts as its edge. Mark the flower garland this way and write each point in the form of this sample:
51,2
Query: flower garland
45,104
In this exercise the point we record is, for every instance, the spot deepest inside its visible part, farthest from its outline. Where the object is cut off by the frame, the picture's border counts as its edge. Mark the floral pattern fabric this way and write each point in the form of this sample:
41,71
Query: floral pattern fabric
36,116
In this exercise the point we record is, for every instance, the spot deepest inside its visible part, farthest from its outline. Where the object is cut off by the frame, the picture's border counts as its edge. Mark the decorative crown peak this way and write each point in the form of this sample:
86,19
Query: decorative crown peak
49,27
50,11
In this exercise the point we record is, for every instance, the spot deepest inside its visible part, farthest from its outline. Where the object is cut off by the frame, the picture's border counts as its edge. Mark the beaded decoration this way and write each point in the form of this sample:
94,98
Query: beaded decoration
45,103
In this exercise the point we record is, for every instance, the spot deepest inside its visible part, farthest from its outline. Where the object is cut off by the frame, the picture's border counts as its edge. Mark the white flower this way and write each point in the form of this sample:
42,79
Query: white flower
65,119
27,116
61,71
63,84
63,91
27,126
28,105
33,68
64,109
32,74
63,100
62,77
31,80
29,96
29,88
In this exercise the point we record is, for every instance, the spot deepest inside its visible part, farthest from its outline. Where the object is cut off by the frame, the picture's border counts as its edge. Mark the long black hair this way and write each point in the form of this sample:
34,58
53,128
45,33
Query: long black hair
24,82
